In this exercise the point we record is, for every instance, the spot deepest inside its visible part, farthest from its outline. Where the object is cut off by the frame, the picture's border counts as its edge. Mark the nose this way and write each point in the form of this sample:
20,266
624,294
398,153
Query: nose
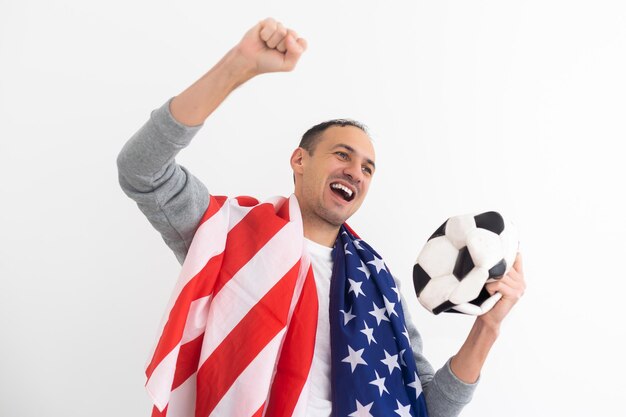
353,171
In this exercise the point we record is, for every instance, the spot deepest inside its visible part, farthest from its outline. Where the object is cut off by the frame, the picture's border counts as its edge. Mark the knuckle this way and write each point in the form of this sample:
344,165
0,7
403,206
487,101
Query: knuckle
271,25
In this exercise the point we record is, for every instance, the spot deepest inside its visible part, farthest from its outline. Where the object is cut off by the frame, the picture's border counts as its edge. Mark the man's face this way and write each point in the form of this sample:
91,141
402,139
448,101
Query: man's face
332,183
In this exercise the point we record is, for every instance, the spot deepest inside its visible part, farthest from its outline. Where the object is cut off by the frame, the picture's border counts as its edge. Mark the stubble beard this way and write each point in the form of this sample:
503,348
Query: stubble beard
329,216
320,216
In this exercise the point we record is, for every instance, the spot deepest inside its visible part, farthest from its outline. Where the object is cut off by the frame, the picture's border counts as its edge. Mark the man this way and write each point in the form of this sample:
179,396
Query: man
333,168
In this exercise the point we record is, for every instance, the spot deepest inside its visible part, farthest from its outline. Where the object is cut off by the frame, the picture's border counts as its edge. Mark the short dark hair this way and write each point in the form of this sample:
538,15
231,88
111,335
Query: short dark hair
311,137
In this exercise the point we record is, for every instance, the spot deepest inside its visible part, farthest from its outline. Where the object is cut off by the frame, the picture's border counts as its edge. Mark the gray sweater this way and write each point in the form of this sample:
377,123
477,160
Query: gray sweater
174,201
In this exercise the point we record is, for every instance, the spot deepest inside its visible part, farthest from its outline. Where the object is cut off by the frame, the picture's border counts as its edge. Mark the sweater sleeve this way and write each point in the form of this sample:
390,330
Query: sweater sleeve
446,395
171,198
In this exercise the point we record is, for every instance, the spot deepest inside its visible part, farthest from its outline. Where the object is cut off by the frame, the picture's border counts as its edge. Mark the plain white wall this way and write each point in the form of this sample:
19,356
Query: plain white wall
513,106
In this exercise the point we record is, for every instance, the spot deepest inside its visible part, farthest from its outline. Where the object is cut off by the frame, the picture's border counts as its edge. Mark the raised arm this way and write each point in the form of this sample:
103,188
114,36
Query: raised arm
172,199
267,47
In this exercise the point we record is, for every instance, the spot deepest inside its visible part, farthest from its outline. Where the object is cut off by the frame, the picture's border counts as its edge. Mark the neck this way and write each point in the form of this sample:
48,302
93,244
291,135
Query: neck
320,232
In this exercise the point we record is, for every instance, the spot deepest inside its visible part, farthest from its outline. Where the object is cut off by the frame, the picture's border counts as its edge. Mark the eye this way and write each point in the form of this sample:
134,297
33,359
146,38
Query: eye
367,170
342,155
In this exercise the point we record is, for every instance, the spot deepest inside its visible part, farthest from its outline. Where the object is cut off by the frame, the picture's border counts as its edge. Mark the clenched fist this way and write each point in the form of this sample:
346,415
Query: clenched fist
270,47
267,47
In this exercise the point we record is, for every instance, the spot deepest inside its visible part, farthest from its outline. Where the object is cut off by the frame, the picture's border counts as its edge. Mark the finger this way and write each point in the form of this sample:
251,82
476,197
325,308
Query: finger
302,43
509,289
492,287
282,44
295,48
518,265
517,285
513,275
513,279
278,35
268,27
516,274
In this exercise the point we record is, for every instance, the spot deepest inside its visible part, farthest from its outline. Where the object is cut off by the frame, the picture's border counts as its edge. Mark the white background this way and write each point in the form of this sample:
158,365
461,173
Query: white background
473,106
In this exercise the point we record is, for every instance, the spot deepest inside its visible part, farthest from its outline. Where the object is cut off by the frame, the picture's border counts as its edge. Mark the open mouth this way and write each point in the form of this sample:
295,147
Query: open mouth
341,190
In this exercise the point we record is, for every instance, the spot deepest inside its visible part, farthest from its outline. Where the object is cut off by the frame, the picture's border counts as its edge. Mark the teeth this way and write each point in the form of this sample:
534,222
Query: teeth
343,188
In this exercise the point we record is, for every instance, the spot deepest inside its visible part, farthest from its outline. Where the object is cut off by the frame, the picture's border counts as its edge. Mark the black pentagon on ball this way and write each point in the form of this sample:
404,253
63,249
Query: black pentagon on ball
464,264
441,231
482,297
490,220
498,270
446,306
420,279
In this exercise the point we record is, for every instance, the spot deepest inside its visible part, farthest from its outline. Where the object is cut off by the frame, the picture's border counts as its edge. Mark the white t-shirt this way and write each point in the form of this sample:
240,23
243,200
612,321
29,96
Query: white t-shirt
319,402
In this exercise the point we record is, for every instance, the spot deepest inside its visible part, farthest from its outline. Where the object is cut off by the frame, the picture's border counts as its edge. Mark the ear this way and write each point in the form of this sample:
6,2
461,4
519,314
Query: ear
297,160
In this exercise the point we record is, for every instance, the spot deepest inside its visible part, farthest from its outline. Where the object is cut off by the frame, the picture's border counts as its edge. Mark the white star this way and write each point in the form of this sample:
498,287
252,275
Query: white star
395,289
402,362
355,287
369,333
406,334
390,307
362,410
378,263
403,410
391,361
357,243
347,316
379,313
354,358
365,270
345,250
380,383
416,385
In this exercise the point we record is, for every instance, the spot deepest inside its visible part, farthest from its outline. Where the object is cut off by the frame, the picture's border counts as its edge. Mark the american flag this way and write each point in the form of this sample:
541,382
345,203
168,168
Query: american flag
373,369
238,335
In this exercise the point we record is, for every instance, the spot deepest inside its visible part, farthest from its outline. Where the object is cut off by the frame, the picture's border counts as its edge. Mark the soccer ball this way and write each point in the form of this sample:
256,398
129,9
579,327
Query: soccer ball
463,254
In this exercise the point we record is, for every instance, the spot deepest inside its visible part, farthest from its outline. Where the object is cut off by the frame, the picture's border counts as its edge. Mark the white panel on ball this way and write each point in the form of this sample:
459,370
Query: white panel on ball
438,257
457,229
485,247
470,286
434,295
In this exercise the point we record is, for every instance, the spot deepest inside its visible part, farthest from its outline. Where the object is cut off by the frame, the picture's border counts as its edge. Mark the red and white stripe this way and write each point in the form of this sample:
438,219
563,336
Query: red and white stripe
238,335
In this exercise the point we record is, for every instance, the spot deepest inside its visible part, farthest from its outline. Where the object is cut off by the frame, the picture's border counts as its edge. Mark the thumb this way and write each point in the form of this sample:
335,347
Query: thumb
295,48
